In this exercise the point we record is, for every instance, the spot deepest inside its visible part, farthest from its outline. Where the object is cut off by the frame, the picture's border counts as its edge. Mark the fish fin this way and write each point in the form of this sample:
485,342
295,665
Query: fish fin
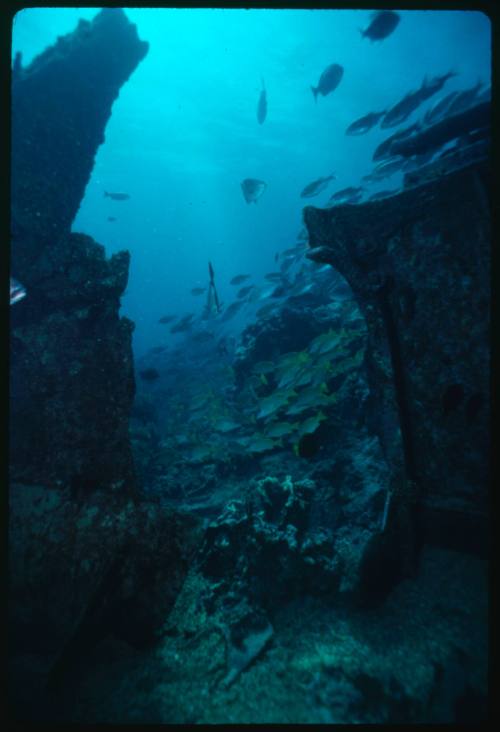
315,92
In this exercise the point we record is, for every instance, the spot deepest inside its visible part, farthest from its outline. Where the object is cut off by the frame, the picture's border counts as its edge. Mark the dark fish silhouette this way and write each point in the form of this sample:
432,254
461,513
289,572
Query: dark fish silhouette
253,189
328,81
432,138
198,290
167,319
402,110
262,105
364,124
439,109
382,25
384,149
244,291
312,189
117,196
464,99
111,218
385,169
149,374
232,309
238,279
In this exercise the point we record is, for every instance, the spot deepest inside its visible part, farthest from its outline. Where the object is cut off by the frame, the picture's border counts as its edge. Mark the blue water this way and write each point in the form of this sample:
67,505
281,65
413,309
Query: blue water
184,133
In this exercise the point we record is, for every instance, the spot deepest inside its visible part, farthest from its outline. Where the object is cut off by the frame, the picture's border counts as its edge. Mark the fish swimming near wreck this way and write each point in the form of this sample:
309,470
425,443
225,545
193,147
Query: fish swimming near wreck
238,279
328,81
406,106
384,149
262,105
17,291
364,124
382,24
253,189
433,137
348,195
117,196
312,189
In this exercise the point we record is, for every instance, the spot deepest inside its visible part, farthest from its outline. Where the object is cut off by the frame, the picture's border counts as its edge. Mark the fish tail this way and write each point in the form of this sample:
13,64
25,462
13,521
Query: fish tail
106,194
362,32
315,90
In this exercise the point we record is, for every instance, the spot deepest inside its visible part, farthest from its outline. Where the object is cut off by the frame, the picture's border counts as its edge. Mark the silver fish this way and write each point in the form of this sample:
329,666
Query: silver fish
17,291
328,81
253,189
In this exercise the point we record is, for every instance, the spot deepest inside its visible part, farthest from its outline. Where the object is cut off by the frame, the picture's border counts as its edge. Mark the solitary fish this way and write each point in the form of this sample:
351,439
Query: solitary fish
117,196
312,189
198,290
262,105
328,81
253,189
111,218
17,291
167,319
238,279
364,124
382,25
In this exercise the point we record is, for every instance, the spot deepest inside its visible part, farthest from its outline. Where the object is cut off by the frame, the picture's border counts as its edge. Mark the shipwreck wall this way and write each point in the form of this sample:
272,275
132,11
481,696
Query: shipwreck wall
418,264
71,370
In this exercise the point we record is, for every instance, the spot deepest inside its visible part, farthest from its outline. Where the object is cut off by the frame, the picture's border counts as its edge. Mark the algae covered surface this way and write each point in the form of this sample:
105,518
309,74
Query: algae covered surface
324,664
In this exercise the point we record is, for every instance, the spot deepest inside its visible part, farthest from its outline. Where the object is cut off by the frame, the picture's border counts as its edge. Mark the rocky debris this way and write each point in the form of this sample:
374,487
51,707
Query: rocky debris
266,548
418,265
82,571
245,641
